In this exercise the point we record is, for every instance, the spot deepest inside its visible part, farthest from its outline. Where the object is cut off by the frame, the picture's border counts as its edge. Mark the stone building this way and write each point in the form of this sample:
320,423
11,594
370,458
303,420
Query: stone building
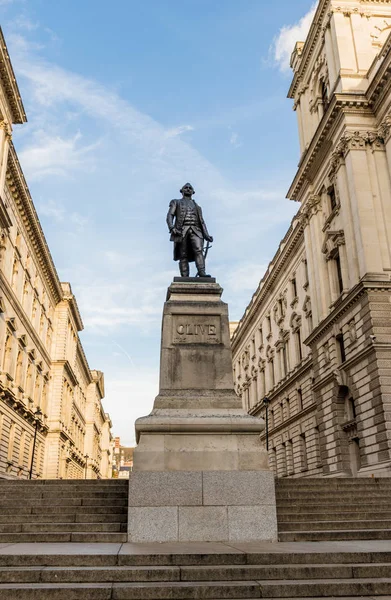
122,459
316,336
49,398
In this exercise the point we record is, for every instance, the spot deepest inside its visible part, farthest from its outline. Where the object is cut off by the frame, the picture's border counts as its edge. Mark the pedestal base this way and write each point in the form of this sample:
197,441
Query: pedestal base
203,506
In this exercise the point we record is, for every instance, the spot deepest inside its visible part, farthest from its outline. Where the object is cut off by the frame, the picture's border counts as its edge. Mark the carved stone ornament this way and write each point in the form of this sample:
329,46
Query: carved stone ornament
246,359
326,351
352,331
333,240
385,128
295,322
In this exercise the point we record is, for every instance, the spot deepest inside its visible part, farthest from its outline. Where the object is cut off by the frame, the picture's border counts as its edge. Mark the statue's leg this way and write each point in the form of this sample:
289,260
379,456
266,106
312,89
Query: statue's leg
197,244
184,267
183,261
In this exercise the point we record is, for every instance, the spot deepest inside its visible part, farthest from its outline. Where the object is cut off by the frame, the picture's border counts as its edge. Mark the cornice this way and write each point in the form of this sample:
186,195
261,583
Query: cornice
380,83
310,42
22,198
83,361
68,370
340,103
8,81
68,296
5,221
22,316
287,245
291,421
355,293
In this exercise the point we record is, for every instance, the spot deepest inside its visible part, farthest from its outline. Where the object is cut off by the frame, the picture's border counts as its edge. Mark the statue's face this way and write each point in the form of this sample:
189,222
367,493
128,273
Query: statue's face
187,190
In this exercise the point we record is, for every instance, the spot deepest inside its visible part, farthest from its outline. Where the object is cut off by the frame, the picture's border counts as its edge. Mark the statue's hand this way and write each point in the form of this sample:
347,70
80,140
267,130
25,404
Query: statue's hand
209,239
175,231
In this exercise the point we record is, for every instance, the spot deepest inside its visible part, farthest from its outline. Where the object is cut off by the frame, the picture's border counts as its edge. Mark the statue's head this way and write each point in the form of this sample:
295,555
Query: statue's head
187,190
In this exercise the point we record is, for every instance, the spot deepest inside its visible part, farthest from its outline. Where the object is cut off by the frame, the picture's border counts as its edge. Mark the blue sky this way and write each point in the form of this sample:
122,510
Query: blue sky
125,103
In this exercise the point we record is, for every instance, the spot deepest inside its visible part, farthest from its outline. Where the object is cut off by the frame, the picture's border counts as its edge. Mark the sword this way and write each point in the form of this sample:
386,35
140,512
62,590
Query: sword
206,250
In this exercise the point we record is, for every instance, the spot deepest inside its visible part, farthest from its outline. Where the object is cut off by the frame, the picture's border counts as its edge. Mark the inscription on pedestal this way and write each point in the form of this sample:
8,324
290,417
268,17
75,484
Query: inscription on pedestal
191,329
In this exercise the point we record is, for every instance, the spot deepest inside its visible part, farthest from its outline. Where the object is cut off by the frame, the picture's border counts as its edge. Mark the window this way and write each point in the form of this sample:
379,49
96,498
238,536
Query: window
332,198
303,452
324,94
282,411
287,408
337,260
11,442
341,347
272,378
284,360
294,287
298,344
269,324
299,400
305,263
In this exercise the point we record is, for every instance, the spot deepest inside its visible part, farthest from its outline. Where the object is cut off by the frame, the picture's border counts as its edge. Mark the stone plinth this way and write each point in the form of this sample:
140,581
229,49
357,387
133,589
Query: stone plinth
200,472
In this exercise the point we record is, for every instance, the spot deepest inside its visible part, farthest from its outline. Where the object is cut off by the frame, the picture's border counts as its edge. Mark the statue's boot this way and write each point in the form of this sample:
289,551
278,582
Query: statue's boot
184,268
200,264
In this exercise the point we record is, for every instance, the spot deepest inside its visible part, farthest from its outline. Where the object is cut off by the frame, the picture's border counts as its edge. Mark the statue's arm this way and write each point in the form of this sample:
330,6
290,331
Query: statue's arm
208,237
171,215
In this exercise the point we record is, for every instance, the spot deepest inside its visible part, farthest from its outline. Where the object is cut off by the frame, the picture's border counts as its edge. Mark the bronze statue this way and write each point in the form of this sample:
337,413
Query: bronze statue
188,232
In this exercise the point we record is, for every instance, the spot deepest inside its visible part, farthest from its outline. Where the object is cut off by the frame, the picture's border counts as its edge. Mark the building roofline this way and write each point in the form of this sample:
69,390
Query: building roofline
22,197
10,85
311,39
285,248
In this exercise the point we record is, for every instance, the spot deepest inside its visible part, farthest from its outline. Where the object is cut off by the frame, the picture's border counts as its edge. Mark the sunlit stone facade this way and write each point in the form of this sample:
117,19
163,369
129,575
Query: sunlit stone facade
316,336
42,362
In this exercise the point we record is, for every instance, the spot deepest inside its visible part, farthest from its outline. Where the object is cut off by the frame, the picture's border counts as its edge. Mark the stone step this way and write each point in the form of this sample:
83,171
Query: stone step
334,484
100,574
62,527
322,507
331,495
334,535
291,515
68,494
304,481
51,537
59,500
329,525
131,591
80,487
60,517
61,509
324,587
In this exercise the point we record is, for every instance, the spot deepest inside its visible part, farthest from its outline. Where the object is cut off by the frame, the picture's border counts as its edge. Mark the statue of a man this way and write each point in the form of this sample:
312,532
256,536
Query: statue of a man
188,232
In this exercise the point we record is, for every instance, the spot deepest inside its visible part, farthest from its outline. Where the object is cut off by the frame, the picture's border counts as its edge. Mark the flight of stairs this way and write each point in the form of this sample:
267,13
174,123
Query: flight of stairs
333,509
320,510
63,510
166,574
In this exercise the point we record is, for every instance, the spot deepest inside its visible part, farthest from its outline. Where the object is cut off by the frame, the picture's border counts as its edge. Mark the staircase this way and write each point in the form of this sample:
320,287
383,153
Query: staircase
159,573
63,510
333,509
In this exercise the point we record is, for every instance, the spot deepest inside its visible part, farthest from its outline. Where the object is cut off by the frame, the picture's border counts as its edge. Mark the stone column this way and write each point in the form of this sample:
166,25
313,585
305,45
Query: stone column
200,470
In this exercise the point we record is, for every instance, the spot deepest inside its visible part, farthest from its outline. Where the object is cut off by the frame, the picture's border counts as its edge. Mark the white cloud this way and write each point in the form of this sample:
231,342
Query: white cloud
59,214
53,155
234,140
285,41
178,130
139,387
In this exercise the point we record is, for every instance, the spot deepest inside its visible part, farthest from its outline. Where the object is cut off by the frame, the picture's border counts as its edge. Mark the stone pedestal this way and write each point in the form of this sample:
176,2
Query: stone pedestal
200,472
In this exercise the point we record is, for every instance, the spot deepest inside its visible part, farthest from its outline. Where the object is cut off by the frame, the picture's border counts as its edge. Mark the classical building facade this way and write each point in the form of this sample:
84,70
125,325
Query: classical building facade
315,339
52,423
